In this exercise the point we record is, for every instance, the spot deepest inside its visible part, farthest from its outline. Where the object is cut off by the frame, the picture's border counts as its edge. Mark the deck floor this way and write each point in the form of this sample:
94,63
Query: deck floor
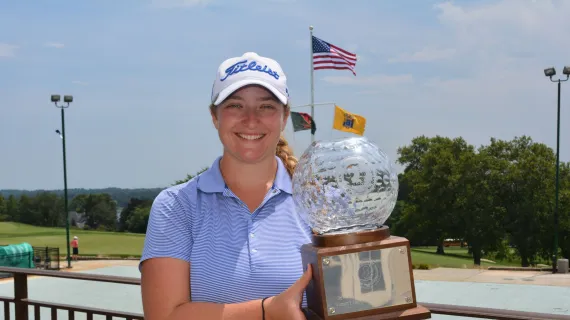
524,291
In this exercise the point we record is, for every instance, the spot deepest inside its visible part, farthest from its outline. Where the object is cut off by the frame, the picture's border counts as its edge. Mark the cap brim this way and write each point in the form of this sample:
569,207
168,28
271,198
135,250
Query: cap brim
245,82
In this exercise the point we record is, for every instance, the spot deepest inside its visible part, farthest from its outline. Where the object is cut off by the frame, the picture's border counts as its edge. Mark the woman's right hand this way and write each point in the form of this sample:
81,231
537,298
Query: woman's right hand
287,305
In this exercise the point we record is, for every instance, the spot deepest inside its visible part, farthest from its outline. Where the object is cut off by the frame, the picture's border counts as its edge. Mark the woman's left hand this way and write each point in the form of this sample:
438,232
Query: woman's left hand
287,305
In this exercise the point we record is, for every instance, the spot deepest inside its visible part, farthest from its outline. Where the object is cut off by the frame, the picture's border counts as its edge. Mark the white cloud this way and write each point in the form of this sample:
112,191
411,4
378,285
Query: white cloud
375,80
426,54
520,13
57,45
506,43
499,48
7,50
78,82
179,3
507,28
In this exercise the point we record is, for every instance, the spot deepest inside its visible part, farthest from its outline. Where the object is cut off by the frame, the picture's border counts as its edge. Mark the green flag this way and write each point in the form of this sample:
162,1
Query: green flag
302,121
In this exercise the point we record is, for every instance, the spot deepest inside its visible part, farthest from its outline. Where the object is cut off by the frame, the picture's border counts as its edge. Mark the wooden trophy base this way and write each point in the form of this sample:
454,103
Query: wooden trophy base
361,276
417,313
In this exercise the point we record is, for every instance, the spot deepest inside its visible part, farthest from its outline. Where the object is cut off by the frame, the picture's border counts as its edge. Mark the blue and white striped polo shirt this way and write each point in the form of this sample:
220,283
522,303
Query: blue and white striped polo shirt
235,255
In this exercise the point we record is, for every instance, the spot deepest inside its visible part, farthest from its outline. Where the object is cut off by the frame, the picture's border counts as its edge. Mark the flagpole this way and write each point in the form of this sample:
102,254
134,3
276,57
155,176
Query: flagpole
312,81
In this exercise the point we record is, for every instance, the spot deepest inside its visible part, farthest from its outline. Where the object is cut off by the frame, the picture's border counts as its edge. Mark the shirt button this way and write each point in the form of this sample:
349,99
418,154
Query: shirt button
254,250
251,235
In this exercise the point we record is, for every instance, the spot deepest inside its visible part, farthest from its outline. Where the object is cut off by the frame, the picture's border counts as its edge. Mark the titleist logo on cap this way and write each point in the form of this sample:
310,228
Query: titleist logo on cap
242,66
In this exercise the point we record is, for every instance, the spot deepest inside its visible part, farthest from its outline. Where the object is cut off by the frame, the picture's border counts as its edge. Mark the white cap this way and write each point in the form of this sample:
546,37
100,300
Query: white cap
237,72
75,237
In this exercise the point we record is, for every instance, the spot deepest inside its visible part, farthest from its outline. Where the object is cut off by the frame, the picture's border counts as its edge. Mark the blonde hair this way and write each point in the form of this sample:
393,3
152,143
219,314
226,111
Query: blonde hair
283,150
285,153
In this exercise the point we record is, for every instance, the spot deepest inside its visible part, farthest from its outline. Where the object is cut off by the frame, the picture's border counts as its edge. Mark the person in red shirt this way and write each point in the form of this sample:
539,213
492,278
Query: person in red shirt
75,246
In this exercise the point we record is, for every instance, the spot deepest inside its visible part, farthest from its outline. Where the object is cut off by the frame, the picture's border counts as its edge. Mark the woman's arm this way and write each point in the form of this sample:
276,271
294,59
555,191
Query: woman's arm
165,267
165,273
166,295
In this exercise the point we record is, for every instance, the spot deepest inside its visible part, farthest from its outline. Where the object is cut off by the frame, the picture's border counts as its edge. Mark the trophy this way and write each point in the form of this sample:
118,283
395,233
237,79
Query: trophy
345,191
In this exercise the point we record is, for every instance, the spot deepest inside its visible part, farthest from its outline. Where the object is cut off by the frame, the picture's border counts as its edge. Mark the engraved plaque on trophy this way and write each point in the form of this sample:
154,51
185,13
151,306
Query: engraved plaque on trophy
345,190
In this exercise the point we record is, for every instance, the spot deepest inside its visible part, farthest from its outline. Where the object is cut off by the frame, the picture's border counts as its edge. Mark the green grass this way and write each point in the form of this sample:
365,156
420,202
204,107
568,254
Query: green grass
90,242
114,244
454,257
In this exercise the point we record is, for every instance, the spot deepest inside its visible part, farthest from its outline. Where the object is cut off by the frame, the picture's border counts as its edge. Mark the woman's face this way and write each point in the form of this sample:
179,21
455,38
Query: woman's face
249,123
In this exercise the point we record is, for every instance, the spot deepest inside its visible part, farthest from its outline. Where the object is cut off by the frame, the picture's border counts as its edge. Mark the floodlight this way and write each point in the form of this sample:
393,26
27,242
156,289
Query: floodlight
549,72
566,70
55,98
68,99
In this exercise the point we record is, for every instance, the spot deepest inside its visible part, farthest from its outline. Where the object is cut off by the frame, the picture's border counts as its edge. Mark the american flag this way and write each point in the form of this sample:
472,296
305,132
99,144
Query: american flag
329,56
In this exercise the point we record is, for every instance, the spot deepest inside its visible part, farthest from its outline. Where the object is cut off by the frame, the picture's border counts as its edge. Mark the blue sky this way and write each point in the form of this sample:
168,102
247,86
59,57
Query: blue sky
141,73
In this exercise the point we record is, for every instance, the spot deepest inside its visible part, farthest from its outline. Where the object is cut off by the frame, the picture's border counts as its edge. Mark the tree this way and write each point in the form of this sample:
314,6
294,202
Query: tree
526,195
127,212
120,195
138,220
50,210
3,214
100,210
564,210
103,215
12,209
27,211
480,210
430,164
405,221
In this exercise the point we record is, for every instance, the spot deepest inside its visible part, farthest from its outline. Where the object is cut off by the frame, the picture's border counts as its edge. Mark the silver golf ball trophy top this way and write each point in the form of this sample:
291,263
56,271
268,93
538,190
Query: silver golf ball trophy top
345,190
345,185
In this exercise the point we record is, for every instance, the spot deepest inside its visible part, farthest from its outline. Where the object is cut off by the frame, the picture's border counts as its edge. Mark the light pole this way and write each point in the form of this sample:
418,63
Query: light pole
550,72
55,98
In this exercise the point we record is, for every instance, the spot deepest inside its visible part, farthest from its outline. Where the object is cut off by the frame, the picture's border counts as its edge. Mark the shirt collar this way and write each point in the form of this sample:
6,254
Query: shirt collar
211,180
282,178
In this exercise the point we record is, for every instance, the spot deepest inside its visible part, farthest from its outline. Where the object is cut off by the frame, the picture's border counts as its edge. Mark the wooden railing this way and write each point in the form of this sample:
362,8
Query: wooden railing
22,303
488,313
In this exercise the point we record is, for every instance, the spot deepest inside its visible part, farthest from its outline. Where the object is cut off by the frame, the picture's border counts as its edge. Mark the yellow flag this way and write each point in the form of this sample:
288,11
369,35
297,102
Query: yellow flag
348,122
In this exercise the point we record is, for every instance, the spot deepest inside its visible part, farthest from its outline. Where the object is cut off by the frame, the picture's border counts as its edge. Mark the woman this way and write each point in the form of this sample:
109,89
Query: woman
230,238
